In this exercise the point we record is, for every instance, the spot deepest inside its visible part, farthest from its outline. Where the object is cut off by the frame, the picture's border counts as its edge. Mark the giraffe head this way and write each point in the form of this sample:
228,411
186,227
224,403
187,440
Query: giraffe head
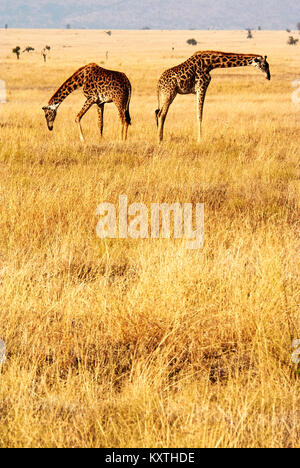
262,64
50,114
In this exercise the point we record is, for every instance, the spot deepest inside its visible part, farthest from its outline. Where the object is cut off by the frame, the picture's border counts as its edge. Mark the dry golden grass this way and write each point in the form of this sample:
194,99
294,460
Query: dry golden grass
144,343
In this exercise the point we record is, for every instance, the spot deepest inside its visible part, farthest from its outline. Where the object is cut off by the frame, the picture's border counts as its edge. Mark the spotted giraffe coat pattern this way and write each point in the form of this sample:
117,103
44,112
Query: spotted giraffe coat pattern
193,77
100,87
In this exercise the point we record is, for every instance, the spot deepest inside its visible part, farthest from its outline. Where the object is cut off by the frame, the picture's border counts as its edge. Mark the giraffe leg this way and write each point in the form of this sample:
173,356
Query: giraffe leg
122,104
87,105
161,121
200,104
122,116
80,132
126,104
126,131
100,109
122,129
201,93
162,115
127,122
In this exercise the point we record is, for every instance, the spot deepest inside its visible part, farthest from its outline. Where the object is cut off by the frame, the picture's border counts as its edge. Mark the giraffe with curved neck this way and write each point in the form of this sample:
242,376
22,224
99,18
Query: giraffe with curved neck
100,86
193,77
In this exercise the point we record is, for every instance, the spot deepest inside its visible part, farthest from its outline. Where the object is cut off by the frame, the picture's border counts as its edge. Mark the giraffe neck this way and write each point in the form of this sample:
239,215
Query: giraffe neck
229,60
72,83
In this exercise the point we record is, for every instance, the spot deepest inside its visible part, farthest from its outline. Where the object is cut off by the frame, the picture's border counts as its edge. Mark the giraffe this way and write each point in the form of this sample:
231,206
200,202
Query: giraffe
193,77
100,86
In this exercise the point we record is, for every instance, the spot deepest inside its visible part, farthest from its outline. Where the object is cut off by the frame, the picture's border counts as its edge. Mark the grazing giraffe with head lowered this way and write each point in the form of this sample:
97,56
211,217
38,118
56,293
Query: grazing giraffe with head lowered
100,86
193,77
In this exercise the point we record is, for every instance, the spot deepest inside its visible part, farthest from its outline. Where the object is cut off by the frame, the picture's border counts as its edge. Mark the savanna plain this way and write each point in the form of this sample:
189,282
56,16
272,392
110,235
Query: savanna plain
143,343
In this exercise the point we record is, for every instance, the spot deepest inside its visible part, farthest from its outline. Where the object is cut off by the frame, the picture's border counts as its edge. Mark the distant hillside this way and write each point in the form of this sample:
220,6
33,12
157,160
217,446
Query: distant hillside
155,14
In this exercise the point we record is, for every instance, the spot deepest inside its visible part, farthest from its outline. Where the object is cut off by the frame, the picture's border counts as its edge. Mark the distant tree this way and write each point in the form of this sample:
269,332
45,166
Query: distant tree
288,30
6,26
45,51
28,49
109,33
192,42
298,27
292,41
17,51
250,36
68,26
146,28
259,28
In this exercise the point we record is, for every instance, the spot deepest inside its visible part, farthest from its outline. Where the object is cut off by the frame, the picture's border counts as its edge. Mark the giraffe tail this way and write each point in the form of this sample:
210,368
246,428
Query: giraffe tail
127,117
157,112
127,113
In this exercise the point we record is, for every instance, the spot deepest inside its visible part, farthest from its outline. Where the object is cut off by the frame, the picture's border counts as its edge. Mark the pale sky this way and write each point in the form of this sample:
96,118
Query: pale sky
156,14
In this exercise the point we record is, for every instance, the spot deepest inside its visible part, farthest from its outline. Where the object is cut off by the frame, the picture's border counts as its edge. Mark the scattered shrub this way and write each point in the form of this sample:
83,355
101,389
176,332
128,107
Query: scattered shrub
192,42
17,51
28,49
292,41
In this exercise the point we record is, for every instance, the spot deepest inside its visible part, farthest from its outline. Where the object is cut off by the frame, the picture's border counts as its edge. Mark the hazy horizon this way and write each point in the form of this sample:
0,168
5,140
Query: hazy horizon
152,14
